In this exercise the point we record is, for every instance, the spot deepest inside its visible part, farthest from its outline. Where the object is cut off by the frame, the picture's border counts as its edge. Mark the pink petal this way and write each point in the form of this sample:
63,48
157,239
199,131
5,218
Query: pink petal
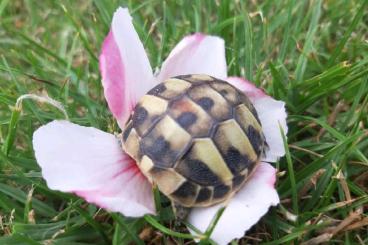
196,54
91,164
247,87
124,66
243,210
271,113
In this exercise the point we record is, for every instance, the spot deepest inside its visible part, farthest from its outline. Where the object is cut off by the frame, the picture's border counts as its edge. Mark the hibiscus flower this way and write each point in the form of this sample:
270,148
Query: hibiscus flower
91,163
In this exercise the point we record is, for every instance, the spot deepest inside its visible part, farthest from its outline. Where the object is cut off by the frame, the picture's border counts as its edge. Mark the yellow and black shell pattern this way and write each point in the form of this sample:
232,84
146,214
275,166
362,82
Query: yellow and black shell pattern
196,137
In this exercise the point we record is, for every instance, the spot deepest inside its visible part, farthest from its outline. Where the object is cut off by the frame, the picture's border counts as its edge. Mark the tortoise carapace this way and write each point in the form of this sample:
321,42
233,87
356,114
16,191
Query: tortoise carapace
196,137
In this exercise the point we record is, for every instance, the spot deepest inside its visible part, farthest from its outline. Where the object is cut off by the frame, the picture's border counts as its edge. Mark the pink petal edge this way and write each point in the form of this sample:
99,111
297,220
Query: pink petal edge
90,163
271,113
112,72
247,87
244,209
196,54
124,66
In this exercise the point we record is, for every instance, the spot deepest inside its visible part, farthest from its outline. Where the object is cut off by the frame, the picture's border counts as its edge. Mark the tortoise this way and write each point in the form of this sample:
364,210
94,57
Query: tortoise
195,137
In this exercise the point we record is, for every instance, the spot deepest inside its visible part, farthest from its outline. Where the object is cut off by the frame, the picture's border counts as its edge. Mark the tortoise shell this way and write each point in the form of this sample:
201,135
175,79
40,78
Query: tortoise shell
196,137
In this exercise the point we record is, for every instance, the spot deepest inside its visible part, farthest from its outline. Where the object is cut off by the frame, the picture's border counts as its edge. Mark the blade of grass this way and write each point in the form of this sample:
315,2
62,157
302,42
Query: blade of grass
248,32
287,31
291,174
97,226
3,5
152,221
347,34
308,44
121,222
211,227
12,128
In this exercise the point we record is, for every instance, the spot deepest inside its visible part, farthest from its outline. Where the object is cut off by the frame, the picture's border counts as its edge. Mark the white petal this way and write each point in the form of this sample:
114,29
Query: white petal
124,66
91,164
196,54
244,209
271,113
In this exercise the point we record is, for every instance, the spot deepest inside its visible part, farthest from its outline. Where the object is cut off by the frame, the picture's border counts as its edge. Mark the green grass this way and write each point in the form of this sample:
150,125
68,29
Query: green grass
311,54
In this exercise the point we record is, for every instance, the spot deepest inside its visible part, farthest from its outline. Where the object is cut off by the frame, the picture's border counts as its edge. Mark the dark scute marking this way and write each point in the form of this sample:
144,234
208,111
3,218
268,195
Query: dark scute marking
236,161
255,139
184,77
253,111
160,147
203,195
186,190
186,119
158,89
139,116
238,180
159,151
246,101
198,172
224,92
220,191
127,131
206,103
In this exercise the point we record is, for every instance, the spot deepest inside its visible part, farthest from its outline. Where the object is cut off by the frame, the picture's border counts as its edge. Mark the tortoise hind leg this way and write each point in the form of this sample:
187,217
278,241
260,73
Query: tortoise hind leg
180,211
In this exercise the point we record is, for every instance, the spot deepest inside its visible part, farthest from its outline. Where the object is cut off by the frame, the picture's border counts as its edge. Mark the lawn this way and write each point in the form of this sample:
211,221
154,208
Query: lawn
311,54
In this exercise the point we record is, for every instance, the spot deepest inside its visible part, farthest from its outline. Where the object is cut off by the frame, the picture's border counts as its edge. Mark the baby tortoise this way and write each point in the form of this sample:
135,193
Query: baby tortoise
197,138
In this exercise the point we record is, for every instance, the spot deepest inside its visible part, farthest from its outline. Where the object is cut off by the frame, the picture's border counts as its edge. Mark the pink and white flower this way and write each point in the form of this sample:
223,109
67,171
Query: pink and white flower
91,163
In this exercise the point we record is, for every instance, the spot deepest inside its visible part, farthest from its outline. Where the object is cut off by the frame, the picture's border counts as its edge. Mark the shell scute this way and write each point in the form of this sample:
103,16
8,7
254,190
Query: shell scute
235,146
204,195
221,191
197,171
204,95
170,89
200,123
227,91
186,194
167,180
166,142
198,138
148,112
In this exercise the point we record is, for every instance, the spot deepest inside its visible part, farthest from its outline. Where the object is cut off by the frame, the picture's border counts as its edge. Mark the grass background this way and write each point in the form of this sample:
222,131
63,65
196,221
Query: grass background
310,54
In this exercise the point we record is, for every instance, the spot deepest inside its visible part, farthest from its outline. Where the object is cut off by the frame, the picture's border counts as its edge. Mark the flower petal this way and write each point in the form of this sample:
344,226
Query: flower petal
124,66
91,164
196,54
243,210
247,87
271,113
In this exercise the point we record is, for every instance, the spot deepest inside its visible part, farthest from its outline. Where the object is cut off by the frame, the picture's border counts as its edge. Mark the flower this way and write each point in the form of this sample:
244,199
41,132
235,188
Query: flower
91,163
